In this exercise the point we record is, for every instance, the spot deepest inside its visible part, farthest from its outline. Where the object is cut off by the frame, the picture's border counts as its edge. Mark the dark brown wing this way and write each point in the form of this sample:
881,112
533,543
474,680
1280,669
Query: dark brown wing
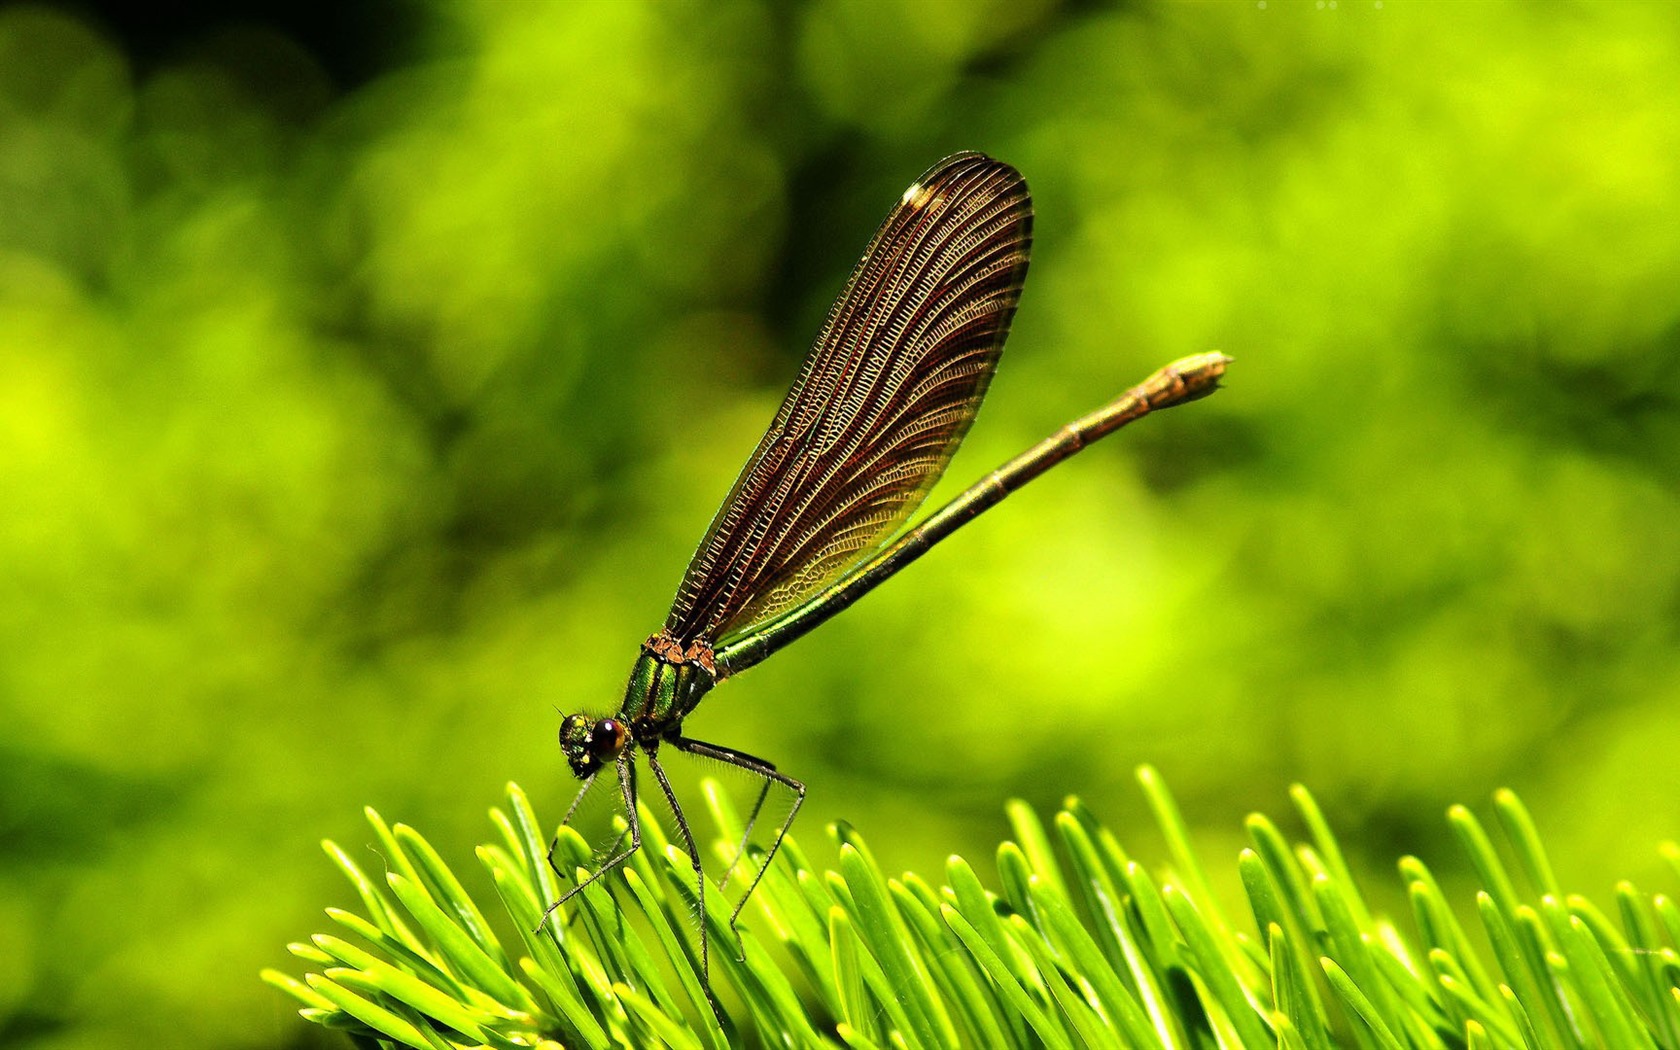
880,406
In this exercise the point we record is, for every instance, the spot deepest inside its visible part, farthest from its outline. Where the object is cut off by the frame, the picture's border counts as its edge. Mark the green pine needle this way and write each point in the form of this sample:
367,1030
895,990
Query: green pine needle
1078,946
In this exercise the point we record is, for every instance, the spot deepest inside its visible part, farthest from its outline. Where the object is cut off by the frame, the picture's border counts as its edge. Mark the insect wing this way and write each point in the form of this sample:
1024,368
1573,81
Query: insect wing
880,406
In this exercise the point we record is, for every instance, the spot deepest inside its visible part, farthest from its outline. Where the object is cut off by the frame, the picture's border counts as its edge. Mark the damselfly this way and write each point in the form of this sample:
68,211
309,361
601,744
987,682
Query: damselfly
879,407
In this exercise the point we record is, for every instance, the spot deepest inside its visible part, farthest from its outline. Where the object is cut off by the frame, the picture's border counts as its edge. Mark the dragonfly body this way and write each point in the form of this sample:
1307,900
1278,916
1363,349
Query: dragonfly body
880,406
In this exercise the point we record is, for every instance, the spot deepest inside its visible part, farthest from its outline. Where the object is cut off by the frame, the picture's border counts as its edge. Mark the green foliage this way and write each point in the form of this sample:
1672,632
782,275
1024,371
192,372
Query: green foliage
1079,946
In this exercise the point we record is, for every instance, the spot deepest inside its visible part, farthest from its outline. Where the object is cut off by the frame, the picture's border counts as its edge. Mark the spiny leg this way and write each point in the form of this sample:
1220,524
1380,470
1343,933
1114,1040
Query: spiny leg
571,811
746,834
627,785
699,881
755,765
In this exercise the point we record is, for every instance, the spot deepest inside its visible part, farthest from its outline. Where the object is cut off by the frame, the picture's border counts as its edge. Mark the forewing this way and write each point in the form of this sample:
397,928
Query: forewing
879,407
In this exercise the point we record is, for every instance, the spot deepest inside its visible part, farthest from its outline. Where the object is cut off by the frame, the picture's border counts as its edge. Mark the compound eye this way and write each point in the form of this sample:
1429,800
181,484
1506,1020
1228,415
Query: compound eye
607,738
571,727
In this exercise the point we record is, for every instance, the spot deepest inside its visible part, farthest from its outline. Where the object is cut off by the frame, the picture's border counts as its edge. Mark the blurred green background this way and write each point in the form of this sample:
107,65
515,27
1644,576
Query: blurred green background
357,412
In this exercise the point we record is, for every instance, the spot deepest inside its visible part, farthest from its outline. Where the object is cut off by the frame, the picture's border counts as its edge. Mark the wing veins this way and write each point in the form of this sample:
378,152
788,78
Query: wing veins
881,403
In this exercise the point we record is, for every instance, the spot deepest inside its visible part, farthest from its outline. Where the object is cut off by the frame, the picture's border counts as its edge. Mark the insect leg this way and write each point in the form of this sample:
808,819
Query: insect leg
758,767
627,785
571,811
699,880
746,833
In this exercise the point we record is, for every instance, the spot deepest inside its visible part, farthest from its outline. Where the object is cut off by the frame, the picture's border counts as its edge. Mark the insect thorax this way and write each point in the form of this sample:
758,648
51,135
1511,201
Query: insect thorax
665,685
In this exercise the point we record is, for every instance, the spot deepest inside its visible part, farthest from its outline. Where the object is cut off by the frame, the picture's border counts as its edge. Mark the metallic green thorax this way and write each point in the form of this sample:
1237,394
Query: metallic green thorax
661,692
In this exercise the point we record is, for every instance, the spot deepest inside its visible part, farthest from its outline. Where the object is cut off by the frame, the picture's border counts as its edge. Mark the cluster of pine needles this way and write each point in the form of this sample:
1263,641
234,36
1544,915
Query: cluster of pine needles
1077,945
